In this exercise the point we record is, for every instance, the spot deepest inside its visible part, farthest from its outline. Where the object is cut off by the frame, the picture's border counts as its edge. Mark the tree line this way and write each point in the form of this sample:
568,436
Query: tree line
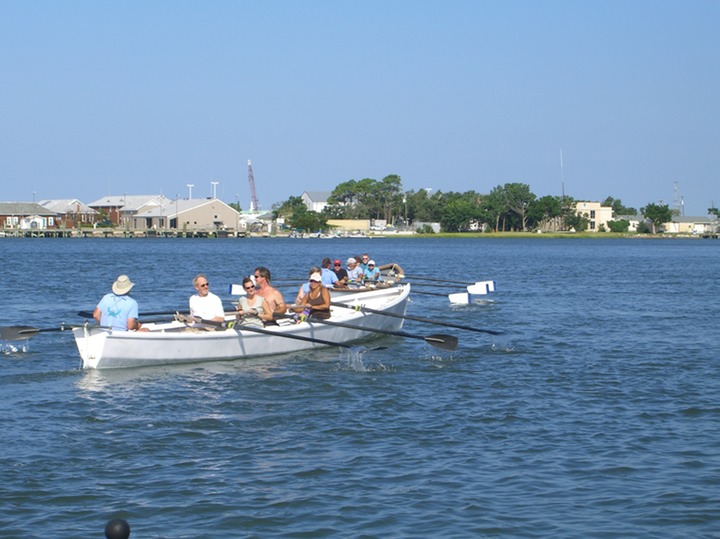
508,207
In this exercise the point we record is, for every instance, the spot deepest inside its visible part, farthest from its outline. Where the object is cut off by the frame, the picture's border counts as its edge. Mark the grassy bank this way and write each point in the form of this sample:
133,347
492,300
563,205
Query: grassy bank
544,235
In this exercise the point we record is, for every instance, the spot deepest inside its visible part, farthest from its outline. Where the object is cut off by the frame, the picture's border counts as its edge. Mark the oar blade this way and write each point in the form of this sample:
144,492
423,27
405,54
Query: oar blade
459,297
444,342
17,333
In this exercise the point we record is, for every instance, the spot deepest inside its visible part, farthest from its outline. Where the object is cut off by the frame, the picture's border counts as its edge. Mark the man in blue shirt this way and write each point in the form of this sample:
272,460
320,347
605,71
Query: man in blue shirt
372,274
328,275
117,309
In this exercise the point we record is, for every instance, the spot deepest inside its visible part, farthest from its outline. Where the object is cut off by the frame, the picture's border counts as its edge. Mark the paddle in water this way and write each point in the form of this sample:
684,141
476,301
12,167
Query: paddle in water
18,333
445,342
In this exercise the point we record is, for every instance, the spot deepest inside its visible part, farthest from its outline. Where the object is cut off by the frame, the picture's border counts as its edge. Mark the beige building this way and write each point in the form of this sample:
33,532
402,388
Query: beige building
350,225
597,215
696,226
196,214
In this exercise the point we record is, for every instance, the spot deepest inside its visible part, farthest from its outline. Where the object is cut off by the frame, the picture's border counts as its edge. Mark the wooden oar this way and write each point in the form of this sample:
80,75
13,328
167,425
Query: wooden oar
255,329
362,308
478,289
18,333
446,342
449,281
89,314
426,293
456,297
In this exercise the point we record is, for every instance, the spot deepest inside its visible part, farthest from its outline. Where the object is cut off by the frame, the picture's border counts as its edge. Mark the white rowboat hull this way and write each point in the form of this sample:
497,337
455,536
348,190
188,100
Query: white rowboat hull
172,343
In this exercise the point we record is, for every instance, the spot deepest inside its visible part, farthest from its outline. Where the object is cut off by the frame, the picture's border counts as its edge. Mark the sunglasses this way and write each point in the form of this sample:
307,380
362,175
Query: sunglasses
314,281
337,265
249,287
204,285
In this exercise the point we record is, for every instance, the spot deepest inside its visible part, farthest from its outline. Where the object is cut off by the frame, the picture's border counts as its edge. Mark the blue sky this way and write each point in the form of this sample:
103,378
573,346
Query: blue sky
143,97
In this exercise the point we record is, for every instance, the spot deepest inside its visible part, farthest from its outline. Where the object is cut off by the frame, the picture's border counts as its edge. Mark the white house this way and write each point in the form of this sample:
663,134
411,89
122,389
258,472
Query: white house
316,200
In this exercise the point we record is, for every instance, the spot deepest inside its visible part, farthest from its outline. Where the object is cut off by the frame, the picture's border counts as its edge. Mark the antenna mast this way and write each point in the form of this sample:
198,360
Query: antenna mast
562,176
254,205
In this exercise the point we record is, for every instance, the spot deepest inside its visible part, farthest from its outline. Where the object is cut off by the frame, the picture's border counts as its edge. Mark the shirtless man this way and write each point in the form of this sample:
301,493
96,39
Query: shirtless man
268,292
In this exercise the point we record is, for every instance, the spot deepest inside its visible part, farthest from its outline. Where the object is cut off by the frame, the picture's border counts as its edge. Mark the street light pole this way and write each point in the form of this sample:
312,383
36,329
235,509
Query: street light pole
237,217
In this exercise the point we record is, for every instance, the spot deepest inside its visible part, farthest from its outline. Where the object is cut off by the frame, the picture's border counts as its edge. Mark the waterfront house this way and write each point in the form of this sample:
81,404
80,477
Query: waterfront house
26,216
120,209
71,213
316,200
696,226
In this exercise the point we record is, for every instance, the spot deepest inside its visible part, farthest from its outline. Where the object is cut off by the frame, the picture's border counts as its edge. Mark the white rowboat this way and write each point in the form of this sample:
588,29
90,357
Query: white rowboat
173,342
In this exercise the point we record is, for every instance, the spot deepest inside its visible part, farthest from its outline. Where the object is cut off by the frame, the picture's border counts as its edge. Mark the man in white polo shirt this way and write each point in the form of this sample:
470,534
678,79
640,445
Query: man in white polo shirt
205,304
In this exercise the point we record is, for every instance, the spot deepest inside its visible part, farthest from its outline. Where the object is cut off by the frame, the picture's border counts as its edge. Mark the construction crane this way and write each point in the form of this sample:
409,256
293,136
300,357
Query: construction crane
254,205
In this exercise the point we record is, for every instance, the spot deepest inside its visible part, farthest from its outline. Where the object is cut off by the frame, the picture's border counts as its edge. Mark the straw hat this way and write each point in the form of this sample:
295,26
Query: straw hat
122,285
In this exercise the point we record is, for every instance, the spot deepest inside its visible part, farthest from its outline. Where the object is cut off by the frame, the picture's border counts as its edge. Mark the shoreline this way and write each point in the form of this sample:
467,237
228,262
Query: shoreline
224,234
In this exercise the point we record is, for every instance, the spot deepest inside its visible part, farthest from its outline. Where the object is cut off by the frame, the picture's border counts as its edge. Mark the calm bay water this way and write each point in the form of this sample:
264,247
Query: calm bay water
596,414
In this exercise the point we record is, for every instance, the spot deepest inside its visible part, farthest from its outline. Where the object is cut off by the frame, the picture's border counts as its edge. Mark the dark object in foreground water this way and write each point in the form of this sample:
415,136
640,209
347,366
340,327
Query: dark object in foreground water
117,529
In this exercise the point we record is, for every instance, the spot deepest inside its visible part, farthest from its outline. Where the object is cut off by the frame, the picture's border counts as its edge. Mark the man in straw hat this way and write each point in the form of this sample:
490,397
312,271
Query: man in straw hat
117,309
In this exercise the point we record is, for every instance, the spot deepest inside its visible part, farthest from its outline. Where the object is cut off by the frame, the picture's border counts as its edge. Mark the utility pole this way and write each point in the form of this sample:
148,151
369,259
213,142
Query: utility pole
237,219
562,177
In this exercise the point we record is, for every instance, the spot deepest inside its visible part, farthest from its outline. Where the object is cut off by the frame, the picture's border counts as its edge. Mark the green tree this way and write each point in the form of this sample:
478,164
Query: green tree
367,199
342,202
422,207
519,198
618,207
546,213
389,195
623,225
714,211
657,214
459,210
576,221
369,205
296,215
495,205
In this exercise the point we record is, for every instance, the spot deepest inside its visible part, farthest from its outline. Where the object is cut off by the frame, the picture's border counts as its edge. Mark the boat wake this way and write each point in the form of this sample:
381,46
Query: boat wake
8,349
352,359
